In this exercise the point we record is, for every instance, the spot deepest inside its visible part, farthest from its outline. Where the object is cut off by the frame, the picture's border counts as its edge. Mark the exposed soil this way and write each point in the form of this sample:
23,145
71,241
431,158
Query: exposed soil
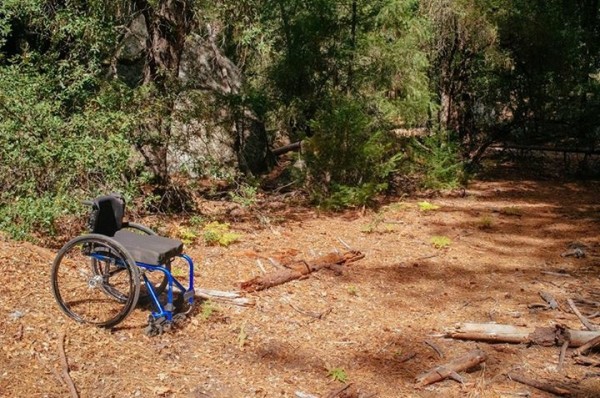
504,231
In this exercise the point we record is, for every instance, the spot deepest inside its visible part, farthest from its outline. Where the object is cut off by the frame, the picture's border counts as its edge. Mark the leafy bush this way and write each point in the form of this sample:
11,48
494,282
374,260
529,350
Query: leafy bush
349,158
438,159
51,159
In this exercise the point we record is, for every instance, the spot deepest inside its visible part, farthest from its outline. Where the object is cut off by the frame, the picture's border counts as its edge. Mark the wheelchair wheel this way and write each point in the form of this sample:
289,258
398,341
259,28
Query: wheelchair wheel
102,292
158,279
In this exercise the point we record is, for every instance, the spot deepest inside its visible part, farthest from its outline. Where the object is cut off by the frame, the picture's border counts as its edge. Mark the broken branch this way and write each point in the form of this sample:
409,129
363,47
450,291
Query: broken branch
449,369
539,385
582,318
65,366
300,269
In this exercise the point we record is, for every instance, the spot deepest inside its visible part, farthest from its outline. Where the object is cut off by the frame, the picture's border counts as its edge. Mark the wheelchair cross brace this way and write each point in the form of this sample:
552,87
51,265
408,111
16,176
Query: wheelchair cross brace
168,309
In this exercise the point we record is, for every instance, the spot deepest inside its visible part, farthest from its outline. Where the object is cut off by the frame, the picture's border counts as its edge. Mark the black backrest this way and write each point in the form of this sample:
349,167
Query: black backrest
107,213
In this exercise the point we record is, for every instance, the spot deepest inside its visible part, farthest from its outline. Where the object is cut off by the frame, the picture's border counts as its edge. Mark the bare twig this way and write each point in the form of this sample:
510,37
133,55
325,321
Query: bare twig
587,346
435,348
580,359
561,357
583,319
65,366
406,357
556,273
259,264
347,246
336,393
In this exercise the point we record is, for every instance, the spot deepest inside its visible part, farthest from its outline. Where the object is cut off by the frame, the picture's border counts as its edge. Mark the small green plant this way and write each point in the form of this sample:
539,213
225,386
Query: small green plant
216,233
426,206
338,374
242,336
207,309
196,221
440,242
486,222
352,290
372,226
245,195
187,235
178,272
512,211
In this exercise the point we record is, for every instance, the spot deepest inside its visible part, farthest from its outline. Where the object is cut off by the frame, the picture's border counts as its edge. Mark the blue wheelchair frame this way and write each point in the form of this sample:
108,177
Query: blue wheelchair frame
163,311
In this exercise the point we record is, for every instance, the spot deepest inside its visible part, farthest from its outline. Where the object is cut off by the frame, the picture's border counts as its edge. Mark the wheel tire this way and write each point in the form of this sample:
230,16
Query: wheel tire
159,280
102,293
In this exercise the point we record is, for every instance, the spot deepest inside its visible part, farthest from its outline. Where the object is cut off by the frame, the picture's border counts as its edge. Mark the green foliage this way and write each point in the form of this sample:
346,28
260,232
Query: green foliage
216,233
348,158
486,222
207,309
187,235
426,206
48,157
438,159
245,195
440,242
338,374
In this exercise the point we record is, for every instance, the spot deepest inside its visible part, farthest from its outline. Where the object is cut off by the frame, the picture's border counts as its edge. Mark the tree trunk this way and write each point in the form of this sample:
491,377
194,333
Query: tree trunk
168,23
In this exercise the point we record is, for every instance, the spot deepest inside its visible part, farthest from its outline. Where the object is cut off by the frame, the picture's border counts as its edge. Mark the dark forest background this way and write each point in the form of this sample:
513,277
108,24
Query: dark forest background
345,100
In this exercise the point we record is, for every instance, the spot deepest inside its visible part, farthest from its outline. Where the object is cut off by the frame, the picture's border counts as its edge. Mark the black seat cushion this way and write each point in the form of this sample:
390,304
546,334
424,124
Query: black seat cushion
149,249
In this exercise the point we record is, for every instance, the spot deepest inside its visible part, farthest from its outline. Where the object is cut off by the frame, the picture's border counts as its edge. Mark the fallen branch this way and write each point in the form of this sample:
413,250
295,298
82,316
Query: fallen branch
587,346
405,358
227,297
65,366
435,348
581,360
544,336
336,393
561,356
450,369
563,392
586,322
300,269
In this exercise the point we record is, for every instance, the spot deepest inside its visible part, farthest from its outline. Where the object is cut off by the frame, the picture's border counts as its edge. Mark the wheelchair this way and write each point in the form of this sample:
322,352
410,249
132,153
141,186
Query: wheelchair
99,278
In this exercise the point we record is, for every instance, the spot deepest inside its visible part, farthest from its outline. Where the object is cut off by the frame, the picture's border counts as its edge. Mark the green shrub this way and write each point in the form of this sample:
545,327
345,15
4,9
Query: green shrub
438,159
349,157
51,159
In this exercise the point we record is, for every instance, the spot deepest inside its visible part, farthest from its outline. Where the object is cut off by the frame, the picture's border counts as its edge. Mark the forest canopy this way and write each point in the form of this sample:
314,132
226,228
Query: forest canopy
146,96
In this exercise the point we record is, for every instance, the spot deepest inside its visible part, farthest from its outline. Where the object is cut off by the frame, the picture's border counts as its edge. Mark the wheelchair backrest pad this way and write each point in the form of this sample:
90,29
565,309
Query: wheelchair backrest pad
107,213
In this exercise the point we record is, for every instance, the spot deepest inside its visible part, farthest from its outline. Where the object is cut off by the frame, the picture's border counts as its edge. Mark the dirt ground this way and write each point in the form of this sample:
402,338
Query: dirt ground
506,236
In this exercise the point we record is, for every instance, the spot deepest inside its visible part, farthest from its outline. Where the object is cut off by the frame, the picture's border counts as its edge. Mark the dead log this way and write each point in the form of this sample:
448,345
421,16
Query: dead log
560,391
300,269
498,333
450,369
